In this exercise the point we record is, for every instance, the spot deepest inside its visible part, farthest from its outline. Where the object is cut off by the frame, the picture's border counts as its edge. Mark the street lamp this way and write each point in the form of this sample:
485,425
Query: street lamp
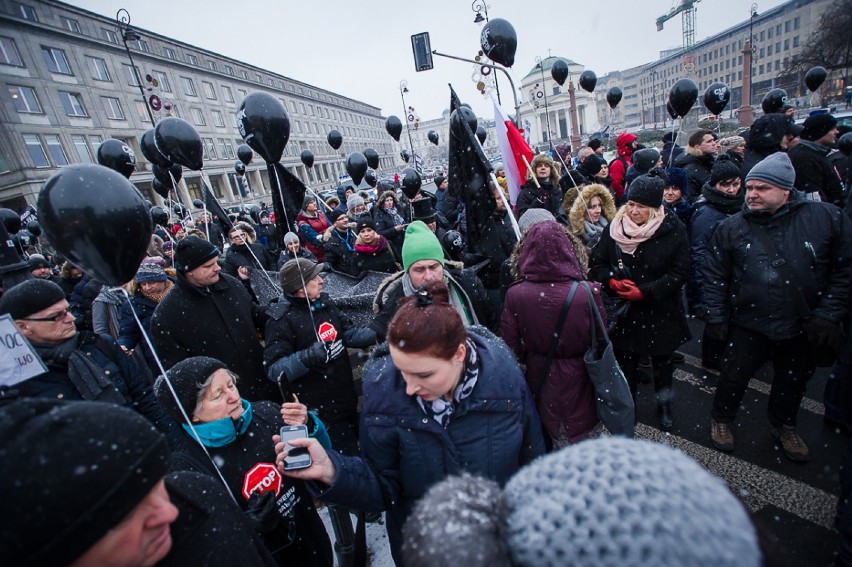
403,88
122,18
479,7
540,67
751,44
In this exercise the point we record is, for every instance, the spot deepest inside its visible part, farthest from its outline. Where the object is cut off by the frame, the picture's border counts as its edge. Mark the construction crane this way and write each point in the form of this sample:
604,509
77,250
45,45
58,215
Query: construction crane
687,10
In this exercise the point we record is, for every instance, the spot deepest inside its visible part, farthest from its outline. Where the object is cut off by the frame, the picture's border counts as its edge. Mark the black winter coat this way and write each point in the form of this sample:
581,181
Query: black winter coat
221,322
340,252
656,324
239,255
547,197
384,260
217,235
129,335
697,167
742,288
815,173
385,226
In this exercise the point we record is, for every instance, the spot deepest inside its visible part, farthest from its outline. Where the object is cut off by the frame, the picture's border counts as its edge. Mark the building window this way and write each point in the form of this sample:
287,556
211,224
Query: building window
243,93
211,64
229,70
209,90
163,81
54,146
760,70
778,47
796,23
188,86
132,75
170,53
36,150
82,148
142,111
787,26
763,35
777,65
110,35
9,52
25,99
198,117
192,59
228,94
769,50
95,143
796,41
24,11
259,78
142,45
786,45
56,60
112,106
209,149
244,74
227,148
218,119
778,29
98,68
70,24
72,103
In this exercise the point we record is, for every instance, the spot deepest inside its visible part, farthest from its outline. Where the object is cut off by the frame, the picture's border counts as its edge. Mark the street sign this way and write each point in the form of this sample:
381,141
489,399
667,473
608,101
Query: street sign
422,49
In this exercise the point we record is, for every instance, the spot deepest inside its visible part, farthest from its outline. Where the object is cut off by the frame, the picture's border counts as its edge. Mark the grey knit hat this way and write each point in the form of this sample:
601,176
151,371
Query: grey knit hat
353,201
532,216
776,169
731,142
290,238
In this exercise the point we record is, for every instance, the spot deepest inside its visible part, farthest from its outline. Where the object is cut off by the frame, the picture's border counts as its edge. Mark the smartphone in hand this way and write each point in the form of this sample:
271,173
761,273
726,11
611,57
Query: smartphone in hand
297,457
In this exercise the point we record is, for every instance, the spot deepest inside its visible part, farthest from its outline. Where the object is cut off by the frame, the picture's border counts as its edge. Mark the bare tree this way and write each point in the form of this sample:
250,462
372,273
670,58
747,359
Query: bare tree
830,43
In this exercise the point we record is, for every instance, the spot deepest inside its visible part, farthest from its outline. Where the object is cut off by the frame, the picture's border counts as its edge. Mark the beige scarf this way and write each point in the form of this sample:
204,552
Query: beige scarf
629,235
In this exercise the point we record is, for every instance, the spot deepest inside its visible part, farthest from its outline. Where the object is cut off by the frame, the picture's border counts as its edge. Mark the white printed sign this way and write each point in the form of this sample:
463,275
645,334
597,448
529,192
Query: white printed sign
18,359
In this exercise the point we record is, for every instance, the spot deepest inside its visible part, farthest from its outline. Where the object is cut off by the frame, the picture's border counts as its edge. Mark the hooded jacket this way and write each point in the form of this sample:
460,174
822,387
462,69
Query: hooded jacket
697,166
764,138
618,166
815,173
577,217
385,224
565,396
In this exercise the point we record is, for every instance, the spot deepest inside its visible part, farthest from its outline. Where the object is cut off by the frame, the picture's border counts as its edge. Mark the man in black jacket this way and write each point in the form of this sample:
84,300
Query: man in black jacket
753,307
698,161
815,174
211,314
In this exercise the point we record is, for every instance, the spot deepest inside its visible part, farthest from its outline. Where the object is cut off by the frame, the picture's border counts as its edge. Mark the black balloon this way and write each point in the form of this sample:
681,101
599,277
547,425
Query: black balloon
11,220
671,110
335,139
34,228
307,158
716,97
356,167
160,189
411,182
240,168
159,216
150,151
683,95
372,157
481,134
559,71
244,154
96,219
179,141
394,127
774,101
815,77
405,155
458,118
844,144
613,97
117,156
588,80
197,204
264,125
370,178
499,41
433,137
165,174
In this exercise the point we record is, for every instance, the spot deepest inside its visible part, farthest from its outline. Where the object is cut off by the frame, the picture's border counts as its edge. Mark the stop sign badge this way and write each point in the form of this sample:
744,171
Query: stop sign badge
261,478
327,332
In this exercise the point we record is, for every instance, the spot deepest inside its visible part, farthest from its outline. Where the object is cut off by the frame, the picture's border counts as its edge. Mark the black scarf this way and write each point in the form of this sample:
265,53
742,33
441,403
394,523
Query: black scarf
721,201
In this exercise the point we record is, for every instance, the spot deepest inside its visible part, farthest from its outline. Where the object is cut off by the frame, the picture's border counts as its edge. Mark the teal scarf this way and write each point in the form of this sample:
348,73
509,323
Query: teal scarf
222,431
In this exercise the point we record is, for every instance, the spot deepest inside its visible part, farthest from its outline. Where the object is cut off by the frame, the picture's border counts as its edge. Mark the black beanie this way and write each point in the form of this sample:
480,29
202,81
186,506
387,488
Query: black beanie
815,127
365,222
724,168
647,190
38,261
72,471
592,164
595,143
645,159
30,297
192,251
186,378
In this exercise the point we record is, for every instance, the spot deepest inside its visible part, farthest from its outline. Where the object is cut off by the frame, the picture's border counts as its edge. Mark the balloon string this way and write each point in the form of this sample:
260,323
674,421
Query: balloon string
281,196
172,390
674,141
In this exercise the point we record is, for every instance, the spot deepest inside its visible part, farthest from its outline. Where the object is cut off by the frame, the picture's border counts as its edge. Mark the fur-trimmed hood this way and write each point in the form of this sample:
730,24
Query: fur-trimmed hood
251,236
577,215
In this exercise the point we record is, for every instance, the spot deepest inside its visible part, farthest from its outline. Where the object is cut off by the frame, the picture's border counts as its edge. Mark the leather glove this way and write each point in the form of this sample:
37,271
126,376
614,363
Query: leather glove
314,355
616,285
822,332
630,292
262,513
716,331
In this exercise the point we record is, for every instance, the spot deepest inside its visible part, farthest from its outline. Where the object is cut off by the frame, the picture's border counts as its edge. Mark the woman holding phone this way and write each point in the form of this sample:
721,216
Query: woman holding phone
235,434
442,401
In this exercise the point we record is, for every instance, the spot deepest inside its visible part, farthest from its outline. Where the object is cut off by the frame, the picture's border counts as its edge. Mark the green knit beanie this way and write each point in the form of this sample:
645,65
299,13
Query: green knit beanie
420,244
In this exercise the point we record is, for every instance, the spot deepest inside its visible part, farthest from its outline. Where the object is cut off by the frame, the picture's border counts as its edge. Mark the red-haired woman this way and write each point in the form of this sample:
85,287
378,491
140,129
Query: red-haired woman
446,400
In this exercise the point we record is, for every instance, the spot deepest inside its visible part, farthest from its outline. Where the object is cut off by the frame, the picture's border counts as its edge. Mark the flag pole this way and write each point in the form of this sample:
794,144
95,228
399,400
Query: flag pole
531,172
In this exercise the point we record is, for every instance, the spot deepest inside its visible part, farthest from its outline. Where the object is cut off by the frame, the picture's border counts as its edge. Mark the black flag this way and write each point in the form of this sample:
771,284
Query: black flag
288,192
215,209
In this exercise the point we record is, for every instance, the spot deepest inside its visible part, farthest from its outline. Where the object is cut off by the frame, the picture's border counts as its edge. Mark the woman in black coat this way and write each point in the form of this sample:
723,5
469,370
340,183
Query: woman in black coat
643,257
391,220
372,251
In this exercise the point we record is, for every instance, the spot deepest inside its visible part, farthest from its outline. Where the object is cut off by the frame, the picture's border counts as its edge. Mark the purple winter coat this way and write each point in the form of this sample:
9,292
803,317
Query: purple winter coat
530,313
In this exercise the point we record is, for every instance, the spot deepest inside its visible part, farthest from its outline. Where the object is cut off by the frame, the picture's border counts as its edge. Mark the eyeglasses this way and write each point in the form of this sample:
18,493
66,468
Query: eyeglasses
238,235
52,319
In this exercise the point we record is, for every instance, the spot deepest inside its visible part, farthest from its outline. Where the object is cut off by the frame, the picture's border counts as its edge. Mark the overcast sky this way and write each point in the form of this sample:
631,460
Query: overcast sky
363,49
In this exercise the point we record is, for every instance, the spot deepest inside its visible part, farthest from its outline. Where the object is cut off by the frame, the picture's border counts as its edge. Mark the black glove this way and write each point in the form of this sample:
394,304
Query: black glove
262,513
314,355
716,331
822,332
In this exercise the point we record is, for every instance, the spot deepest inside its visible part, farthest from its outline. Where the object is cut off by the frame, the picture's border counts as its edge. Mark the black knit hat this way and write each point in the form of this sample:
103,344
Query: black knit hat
595,143
73,470
815,127
645,159
30,297
364,222
724,168
38,261
647,190
186,377
192,251
592,164
334,215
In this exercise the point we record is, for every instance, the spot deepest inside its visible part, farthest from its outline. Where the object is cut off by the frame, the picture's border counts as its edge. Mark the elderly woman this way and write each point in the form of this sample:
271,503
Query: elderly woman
445,400
235,435
591,213
643,258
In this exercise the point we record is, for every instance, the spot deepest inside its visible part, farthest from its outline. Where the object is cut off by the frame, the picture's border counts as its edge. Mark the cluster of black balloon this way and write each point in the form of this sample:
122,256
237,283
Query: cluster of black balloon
173,143
776,99
21,236
560,71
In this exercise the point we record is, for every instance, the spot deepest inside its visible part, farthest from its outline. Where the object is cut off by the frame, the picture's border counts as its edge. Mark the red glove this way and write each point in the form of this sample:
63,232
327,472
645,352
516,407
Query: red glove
630,292
617,285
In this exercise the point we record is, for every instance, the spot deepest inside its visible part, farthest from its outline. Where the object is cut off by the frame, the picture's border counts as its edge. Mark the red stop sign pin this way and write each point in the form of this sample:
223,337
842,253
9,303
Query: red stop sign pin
261,478
327,332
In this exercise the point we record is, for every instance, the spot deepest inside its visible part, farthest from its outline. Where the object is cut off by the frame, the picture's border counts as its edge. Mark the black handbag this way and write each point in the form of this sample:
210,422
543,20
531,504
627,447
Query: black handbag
616,307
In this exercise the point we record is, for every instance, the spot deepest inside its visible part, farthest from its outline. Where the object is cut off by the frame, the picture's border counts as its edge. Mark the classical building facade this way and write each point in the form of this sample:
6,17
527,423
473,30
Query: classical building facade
68,84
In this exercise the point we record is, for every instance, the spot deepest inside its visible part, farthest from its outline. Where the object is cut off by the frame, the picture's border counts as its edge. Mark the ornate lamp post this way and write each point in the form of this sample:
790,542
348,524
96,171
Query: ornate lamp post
122,18
481,7
403,88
